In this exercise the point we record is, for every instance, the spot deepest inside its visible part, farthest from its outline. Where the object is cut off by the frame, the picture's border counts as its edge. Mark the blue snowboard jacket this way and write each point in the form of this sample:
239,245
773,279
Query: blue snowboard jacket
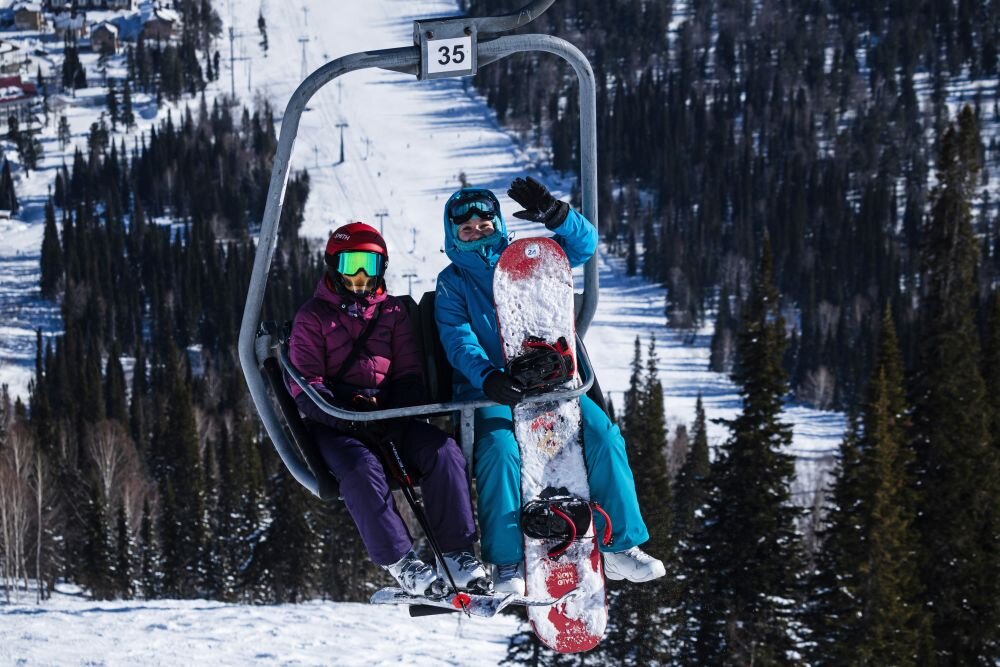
464,311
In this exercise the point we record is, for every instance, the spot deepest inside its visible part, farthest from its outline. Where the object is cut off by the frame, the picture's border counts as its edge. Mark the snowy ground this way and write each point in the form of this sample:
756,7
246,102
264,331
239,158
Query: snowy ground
405,145
71,630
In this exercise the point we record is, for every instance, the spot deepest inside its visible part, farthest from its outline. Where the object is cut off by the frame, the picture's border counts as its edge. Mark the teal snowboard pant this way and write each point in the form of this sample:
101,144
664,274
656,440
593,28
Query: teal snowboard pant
498,481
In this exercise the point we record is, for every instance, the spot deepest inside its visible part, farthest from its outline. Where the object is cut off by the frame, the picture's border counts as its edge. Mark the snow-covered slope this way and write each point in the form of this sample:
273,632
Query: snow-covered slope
71,630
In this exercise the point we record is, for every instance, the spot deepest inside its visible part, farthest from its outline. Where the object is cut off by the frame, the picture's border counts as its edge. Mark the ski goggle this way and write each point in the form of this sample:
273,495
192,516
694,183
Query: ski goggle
350,262
461,211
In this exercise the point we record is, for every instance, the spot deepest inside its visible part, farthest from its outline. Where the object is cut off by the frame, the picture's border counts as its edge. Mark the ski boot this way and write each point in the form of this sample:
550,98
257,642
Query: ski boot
416,577
468,572
509,578
633,564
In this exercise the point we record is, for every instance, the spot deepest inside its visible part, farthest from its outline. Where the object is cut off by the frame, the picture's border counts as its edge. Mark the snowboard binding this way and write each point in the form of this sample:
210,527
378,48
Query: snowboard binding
542,366
563,518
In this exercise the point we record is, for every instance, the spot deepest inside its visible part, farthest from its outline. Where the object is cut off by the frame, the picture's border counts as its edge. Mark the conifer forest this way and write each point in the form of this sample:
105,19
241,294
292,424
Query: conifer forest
798,176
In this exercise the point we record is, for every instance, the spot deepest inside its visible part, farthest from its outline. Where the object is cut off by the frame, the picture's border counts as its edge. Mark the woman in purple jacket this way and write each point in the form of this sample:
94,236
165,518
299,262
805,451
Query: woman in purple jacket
351,302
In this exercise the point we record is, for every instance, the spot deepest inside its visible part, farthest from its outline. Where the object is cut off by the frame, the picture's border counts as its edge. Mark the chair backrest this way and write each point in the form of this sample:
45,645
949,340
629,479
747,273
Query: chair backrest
329,488
439,371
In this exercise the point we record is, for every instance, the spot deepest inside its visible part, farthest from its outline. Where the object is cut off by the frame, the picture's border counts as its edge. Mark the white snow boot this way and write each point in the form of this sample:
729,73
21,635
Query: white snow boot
415,576
466,570
508,579
633,564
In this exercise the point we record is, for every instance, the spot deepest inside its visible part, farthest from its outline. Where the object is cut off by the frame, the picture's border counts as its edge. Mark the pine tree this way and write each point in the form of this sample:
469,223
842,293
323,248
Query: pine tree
114,387
632,425
752,553
123,556
182,521
991,367
149,570
113,105
51,259
97,567
691,487
690,507
64,132
8,196
637,614
291,545
956,467
127,114
865,605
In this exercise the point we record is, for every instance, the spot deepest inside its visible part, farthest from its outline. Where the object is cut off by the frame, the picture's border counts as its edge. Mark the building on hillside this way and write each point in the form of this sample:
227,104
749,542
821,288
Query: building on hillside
16,98
160,25
65,5
28,16
10,59
104,38
70,25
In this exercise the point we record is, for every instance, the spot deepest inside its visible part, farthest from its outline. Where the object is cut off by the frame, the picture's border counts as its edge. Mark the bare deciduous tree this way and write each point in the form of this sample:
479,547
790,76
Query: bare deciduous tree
110,447
17,461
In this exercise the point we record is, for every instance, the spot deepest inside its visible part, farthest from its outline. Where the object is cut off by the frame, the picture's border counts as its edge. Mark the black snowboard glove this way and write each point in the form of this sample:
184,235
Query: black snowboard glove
500,388
539,204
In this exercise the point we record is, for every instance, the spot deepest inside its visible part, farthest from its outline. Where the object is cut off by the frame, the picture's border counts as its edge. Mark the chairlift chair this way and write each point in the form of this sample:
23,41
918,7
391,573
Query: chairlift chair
453,46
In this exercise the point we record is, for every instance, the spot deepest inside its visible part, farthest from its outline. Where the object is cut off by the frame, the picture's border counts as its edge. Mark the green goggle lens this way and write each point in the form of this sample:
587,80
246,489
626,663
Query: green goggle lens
352,261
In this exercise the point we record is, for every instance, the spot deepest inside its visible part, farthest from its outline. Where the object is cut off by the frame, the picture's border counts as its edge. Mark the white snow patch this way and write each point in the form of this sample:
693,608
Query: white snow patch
71,630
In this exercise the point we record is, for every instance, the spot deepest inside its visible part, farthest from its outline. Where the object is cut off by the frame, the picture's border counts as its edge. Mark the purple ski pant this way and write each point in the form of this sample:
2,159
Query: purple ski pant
430,457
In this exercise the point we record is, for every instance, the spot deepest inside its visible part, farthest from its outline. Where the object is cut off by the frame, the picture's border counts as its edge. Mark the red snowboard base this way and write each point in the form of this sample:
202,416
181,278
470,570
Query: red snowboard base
578,623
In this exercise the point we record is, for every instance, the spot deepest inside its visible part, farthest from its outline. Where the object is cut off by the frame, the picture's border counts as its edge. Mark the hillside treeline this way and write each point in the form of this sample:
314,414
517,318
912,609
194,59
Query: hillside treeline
897,564
138,467
816,122
815,147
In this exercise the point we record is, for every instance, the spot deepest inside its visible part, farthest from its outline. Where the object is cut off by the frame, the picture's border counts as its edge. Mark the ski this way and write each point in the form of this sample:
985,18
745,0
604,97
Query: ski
484,606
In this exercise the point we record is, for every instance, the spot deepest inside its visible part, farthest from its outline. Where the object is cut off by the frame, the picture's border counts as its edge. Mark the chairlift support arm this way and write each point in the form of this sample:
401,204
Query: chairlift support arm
405,59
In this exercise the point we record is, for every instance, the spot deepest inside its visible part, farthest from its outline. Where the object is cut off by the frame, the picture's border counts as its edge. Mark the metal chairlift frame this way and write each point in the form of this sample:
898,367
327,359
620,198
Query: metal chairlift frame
488,46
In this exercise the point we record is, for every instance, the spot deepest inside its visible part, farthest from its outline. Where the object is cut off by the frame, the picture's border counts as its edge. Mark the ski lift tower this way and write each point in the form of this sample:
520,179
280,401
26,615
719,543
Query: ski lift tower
442,47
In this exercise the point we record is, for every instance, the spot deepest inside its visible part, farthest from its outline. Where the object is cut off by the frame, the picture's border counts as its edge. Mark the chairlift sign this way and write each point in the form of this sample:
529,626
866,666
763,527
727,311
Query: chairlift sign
448,47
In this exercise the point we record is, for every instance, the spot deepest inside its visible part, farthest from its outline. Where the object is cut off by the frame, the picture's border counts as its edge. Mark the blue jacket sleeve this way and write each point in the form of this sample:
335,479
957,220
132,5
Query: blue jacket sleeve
578,237
461,345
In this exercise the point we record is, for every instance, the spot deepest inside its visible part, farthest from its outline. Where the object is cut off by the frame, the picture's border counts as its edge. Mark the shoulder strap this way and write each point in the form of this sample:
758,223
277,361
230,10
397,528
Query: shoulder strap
355,352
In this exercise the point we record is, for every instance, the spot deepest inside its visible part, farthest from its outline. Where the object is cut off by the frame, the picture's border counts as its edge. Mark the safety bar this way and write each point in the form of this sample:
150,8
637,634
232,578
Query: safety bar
465,409
556,395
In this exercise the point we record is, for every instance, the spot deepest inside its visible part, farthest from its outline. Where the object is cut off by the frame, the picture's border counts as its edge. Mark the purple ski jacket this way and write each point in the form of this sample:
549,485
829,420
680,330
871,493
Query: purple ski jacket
324,332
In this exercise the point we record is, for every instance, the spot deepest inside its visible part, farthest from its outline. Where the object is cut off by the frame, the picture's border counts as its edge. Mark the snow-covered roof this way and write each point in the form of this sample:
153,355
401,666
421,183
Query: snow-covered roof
166,15
10,93
28,6
110,27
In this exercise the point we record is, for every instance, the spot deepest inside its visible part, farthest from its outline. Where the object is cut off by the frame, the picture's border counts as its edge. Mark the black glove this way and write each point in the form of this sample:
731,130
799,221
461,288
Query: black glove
500,388
539,204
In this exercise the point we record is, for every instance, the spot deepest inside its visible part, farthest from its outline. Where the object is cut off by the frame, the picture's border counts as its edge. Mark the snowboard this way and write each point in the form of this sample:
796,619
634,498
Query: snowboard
533,295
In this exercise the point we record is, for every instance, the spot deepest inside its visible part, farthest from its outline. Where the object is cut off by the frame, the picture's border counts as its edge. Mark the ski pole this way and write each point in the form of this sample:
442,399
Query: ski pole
406,484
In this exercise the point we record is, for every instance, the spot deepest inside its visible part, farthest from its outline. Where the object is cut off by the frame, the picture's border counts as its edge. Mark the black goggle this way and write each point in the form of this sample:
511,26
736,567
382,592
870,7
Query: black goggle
461,211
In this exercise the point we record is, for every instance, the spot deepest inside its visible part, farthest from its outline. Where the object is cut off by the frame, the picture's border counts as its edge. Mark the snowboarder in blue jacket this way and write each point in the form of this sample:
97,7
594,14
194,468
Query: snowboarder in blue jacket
475,235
